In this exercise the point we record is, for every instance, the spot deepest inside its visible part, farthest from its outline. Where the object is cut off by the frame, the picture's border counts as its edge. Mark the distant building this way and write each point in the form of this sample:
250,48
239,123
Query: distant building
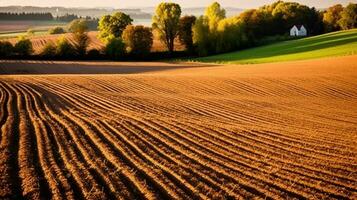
298,30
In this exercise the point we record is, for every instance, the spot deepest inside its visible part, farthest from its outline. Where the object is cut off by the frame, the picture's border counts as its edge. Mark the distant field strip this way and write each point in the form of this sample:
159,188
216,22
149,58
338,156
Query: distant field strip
200,133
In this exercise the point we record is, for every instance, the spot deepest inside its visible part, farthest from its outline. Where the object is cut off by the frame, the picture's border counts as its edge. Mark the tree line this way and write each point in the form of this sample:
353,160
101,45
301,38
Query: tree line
214,33
43,17
26,16
211,33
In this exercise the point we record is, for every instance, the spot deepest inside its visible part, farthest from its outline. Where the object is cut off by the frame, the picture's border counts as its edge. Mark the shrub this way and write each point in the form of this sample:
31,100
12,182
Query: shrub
6,49
56,30
81,43
138,40
23,47
30,32
78,26
115,49
65,49
94,54
49,50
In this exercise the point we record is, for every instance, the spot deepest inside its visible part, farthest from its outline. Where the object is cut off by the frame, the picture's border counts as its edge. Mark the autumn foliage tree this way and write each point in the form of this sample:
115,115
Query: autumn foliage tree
138,40
349,17
331,18
166,22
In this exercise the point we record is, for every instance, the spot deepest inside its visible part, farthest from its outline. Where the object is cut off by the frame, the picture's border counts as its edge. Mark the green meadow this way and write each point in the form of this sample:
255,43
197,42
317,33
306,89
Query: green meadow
328,45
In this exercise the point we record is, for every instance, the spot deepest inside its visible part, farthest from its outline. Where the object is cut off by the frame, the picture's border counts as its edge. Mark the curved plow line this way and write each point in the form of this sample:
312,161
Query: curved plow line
58,182
215,159
9,179
75,165
110,152
276,161
86,108
29,173
239,155
151,146
251,141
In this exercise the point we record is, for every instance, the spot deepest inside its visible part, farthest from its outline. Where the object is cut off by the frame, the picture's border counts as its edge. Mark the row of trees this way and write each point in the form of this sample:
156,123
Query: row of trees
121,37
26,16
212,32
22,48
339,18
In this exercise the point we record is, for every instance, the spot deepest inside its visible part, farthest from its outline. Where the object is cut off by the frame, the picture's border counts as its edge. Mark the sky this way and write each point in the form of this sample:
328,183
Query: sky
151,3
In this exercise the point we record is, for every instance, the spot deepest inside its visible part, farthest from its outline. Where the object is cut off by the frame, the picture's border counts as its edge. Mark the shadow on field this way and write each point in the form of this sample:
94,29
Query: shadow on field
8,67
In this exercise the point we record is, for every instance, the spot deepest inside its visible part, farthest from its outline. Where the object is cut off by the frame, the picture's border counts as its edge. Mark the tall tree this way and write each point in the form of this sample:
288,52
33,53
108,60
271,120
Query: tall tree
349,17
79,28
205,30
331,17
201,36
166,22
112,26
214,14
185,31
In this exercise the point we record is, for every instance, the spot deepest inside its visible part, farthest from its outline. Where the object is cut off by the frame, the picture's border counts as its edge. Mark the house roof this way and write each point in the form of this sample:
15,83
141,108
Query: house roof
299,26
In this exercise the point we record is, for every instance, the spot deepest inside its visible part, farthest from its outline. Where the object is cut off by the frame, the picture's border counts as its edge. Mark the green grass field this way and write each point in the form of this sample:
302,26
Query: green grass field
13,29
327,45
8,35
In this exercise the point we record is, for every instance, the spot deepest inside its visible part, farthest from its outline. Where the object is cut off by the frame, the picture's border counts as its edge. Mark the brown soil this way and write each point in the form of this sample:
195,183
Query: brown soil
181,131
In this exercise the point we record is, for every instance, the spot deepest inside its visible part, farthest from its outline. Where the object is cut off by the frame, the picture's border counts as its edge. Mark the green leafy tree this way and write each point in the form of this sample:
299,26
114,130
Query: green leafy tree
231,35
23,47
138,40
349,17
49,50
201,36
166,22
6,49
112,26
289,14
331,18
81,43
185,31
64,48
214,14
205,30
56,30
79,28
115,48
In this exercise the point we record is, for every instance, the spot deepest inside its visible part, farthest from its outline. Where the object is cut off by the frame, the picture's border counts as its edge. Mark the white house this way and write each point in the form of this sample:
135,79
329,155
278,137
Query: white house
298,30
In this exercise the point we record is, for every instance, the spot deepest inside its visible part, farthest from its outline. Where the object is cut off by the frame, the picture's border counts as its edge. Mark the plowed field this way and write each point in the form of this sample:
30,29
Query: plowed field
178,131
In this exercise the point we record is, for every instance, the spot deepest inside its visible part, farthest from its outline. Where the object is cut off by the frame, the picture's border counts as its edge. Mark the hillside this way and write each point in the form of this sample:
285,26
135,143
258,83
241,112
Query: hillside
327,45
